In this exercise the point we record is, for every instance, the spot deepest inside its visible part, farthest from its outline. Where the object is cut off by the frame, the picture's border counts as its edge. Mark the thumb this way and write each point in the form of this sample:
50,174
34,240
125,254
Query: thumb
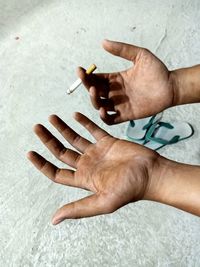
86,79
126,51
86,207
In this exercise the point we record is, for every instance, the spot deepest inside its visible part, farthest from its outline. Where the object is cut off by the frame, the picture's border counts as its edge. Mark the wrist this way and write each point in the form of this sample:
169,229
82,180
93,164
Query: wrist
185,85
154,190
175,84
175,184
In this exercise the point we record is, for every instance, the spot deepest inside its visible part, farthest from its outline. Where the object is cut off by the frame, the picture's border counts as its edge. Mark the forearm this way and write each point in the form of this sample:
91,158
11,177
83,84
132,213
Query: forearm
186,84
177,185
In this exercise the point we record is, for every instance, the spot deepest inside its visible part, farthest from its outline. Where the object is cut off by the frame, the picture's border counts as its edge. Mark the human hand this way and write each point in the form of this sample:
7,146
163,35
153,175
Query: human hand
143,90
115,171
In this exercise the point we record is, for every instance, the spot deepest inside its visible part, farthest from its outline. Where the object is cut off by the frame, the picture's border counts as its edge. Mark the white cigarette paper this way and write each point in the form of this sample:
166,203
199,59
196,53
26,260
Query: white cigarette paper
78,82
73,87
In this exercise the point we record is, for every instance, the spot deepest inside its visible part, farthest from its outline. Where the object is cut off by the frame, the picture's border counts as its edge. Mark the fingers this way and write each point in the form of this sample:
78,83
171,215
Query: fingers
70,135
96,131
126,51
99,80
57,175
98,102
89,206
86,79
109,119
67,156
94,97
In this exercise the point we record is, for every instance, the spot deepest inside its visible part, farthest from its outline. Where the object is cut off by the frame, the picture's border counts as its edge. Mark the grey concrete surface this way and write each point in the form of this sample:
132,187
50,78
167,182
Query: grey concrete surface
54,37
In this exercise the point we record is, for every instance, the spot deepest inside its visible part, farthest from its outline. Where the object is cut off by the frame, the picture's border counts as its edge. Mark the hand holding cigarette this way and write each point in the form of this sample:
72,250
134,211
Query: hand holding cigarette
144,89
118,172
78,82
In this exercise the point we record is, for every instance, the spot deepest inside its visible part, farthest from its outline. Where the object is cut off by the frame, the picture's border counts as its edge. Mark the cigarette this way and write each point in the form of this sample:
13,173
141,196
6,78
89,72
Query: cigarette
78,82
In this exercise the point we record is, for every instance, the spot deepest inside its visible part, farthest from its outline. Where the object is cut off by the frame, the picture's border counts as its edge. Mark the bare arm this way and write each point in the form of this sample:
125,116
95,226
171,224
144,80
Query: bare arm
176,184
146,88
186,85
117,172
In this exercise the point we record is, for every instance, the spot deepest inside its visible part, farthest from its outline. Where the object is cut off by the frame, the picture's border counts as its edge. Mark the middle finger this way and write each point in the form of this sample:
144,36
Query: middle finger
62,153
70,135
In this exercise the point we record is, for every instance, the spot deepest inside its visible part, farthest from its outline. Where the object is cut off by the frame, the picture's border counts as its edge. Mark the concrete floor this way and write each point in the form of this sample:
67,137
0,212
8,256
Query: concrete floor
54,37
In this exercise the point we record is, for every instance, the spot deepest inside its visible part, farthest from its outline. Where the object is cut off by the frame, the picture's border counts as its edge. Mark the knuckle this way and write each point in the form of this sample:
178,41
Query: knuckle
74,211
77,160
62,153
123,50
76,139
56,177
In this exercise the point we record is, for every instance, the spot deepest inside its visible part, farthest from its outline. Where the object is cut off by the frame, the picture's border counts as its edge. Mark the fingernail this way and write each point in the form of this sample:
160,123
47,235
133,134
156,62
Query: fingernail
75,114
90,90
56,221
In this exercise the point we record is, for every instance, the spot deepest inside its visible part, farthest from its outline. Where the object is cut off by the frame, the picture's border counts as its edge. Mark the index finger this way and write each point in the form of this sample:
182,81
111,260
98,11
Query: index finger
99,80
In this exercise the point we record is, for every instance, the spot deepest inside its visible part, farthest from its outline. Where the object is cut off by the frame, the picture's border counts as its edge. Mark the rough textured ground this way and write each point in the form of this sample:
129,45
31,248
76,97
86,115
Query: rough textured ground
54,37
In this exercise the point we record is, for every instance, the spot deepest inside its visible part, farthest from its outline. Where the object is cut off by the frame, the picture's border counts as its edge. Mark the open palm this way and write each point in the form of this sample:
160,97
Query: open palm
140,91
116,171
